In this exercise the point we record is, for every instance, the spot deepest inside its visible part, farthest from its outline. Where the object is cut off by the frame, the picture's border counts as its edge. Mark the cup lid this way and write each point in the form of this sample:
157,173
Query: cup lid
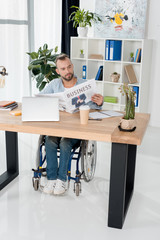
84,107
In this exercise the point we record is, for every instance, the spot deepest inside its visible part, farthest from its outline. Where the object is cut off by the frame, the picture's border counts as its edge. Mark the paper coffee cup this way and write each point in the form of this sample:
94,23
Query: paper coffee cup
84,114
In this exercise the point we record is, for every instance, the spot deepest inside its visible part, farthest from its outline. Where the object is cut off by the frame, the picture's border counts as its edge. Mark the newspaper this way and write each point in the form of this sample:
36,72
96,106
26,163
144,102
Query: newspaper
71,99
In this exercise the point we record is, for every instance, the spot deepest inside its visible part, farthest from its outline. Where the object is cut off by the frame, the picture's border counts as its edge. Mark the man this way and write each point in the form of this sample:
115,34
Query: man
57,176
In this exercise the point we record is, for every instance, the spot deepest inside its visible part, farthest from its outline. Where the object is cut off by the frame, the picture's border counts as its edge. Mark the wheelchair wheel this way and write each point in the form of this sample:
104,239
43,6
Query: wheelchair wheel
77,188
40,158
35,182
88,159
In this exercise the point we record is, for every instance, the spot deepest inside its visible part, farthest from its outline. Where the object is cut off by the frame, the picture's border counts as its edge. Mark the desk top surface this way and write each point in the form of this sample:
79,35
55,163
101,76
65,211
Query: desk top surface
69,126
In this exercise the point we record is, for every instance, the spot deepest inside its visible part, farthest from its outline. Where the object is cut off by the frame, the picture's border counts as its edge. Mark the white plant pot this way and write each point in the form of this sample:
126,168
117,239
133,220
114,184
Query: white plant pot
82,31
81,55
127,124
115,77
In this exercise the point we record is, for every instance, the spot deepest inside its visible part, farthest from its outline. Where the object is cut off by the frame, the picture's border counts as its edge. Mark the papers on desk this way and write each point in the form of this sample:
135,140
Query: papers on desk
104,114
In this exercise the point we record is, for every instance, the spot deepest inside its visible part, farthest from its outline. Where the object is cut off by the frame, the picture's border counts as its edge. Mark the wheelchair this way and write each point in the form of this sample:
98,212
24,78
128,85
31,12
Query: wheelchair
84,153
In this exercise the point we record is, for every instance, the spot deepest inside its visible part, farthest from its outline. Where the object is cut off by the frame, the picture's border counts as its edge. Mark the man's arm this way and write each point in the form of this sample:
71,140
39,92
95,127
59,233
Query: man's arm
98,99
96,102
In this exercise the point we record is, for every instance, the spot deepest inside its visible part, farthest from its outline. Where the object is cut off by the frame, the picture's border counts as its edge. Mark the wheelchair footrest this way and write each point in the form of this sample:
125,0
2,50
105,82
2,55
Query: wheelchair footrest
39,170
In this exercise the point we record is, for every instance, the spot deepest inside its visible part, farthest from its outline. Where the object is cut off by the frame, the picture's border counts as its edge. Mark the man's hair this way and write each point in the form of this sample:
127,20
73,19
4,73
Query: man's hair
62,57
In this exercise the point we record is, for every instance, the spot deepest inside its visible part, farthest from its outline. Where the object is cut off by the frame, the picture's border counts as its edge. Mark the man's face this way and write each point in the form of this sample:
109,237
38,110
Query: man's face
65,69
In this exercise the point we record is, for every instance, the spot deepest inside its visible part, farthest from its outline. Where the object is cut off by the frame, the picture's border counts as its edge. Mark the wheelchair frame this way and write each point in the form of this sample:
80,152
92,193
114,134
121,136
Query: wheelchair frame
87,152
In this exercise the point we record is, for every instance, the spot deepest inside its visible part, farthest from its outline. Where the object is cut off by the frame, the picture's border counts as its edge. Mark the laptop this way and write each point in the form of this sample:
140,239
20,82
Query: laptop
40,109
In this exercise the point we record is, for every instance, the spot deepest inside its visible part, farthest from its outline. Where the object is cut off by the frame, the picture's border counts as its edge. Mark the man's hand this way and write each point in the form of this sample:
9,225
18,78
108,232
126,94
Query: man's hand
98,99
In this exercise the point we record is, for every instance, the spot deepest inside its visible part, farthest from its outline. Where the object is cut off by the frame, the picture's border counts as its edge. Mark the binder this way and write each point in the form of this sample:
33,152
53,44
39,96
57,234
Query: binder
115,50
84,72
99,73
136,90
130,74
107,52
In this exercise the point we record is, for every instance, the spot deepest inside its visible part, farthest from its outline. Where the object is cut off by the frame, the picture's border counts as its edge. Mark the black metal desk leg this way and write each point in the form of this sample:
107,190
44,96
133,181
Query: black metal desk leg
122,173
11,159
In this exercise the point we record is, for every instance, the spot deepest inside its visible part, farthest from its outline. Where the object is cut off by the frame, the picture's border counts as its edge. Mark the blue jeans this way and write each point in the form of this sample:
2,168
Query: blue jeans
65,145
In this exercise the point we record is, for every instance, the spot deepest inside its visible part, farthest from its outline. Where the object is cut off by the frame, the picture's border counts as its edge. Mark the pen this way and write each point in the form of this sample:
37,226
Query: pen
97,119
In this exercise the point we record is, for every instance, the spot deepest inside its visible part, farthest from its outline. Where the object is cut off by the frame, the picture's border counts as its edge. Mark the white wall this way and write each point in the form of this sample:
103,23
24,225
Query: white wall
152,32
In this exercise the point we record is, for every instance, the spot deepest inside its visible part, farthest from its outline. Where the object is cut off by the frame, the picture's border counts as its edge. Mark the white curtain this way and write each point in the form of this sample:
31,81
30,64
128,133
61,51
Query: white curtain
13,48
47,23
15,40
47,26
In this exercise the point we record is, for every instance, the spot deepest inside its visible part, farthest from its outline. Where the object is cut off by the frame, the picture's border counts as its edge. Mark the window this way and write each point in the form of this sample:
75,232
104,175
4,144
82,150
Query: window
25,25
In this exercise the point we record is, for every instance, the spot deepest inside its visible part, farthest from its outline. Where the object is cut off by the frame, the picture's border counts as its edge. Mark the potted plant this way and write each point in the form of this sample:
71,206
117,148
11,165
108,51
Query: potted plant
42,66
128,121
132,57
115,76
81,19
81,53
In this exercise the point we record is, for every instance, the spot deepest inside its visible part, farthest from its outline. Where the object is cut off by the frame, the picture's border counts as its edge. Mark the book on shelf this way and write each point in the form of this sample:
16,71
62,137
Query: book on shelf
115,50
99,75
8,105
130,74
110,99
136,90
138,55
96,56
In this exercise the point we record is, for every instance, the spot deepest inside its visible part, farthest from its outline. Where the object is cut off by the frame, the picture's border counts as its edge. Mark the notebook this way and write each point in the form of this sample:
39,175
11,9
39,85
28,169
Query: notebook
40,109
6,103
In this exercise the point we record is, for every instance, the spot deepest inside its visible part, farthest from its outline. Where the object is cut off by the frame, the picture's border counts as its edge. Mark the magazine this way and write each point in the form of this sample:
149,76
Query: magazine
71,99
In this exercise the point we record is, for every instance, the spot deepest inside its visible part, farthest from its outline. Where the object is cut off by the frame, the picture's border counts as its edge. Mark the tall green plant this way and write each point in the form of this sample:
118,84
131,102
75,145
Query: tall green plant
129,94
83,18
42,66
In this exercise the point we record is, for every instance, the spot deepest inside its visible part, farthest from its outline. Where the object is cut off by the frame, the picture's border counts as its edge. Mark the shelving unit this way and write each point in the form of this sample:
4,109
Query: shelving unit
106,87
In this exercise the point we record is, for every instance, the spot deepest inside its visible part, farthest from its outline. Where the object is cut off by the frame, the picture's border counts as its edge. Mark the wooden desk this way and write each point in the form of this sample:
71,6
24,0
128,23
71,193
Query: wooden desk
123,156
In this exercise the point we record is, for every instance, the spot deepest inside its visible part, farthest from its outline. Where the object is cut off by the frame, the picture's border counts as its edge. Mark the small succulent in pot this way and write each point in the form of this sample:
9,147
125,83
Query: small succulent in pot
81,53
132,57
115,76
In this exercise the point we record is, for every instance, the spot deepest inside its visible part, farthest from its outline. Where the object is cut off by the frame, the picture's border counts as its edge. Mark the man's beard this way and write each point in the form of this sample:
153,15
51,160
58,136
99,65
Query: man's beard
68,79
